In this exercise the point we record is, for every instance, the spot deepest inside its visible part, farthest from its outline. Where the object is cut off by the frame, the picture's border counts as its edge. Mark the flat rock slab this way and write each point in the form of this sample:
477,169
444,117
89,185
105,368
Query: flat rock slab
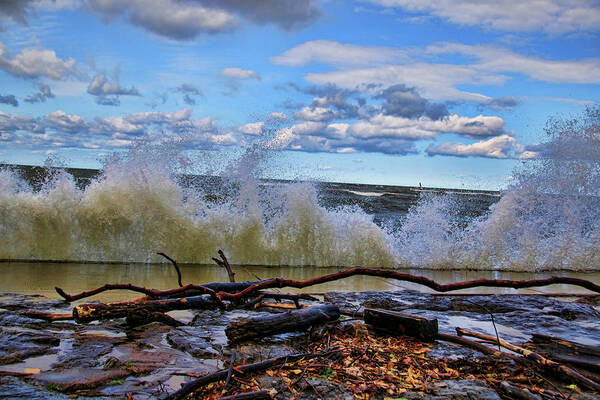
13,388
74,379
17,345
187,339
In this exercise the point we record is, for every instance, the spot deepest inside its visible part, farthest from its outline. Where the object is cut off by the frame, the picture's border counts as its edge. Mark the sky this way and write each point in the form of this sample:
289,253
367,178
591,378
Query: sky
450,93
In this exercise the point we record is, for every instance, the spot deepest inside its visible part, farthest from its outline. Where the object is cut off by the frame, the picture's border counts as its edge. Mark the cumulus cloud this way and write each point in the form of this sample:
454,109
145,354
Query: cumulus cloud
382,133
382,125
44,93
62,121
184,20
501,147
103,89
59,129
550,16
170,18
287,14
35,63
316,114
405,102
9,99
330,102
101,86
254,128
15,123
15,9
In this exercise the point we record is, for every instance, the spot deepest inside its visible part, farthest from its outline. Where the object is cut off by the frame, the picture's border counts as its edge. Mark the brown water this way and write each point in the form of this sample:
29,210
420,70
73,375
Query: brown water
41,278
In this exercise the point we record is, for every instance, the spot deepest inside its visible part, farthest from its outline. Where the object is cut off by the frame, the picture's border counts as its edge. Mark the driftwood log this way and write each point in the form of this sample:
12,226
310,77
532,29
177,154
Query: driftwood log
516,392
285,322
402,324
99,311
565,351
184,291
421,280
559,369
141,316
477,346
237,291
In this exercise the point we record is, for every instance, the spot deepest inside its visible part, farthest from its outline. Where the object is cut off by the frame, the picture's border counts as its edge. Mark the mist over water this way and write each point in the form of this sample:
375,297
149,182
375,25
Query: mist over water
141,203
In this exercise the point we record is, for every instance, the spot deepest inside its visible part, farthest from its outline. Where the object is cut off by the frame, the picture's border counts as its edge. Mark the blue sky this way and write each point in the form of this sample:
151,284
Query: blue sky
448,93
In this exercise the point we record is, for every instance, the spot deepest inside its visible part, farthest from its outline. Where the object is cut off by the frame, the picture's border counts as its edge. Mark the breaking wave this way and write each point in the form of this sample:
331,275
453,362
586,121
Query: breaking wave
549,218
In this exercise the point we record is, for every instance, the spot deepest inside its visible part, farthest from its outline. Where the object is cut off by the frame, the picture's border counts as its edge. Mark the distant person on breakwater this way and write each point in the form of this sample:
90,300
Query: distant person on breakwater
420,187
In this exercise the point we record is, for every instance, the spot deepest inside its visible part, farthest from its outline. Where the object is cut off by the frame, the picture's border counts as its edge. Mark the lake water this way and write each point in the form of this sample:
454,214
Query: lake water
41,278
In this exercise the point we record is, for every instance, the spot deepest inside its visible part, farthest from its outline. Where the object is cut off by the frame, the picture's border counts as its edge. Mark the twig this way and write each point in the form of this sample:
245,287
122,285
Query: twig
421,280
222,374
493,322
176,267
386,273
562,369
229,372
148,292
476,346
225,264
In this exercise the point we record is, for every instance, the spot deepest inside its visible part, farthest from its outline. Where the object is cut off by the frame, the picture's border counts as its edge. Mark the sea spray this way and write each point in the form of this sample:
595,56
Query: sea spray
137,206
548,219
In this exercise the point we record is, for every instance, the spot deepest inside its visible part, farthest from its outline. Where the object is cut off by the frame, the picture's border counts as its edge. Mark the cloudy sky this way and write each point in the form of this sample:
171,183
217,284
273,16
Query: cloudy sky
447,92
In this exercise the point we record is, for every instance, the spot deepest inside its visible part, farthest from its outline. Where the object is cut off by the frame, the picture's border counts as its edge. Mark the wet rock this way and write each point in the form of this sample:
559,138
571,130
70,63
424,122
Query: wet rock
13,388
268,347
28,302
193,341
74,379
456,390
516,317
85,350
17,345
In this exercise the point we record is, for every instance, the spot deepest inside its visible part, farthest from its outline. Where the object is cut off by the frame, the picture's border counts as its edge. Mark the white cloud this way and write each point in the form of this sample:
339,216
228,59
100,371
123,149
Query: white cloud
237,73
381,126
498,147
13,123
551,16
277,116
335,53
435,81
254,128
62,121
157,117
35,63
493,59
316,114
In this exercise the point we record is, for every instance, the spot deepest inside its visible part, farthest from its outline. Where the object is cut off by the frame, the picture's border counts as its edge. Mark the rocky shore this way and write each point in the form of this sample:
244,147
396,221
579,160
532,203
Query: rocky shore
107,359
